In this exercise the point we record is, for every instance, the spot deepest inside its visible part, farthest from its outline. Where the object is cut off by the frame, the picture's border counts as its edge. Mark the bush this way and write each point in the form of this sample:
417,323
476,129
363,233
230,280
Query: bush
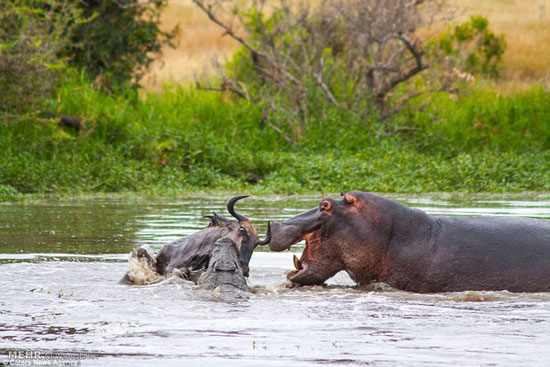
118,41
184,140
31,36
361,57
474,47
485,120
113,41
302,63
8,193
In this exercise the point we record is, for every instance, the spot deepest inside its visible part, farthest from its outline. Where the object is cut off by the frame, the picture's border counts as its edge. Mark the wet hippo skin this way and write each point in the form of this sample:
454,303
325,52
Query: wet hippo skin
378,239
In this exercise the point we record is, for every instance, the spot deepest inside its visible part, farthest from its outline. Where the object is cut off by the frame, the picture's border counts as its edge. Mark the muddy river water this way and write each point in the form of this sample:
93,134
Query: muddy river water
60,262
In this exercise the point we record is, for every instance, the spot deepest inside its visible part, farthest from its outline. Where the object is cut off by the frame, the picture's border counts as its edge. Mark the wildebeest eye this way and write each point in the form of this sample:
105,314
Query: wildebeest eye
242,231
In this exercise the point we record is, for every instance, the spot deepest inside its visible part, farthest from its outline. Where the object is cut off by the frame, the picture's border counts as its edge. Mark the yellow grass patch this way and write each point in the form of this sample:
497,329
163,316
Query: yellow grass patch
526,27
198,43
525,24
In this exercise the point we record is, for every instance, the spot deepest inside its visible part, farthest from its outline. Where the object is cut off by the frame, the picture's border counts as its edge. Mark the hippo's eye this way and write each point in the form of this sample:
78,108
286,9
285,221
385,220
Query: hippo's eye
325,205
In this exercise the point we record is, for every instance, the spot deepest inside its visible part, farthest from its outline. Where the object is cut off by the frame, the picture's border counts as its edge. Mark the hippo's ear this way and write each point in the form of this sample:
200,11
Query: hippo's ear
349,199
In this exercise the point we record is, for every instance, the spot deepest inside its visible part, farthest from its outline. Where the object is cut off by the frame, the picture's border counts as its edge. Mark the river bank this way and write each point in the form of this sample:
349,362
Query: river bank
184,140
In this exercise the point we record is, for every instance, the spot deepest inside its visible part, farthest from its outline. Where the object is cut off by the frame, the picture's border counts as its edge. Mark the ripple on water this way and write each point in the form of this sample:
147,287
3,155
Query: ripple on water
64,296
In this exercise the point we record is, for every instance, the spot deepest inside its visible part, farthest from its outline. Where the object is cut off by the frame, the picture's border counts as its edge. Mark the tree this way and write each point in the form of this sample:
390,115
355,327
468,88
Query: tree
118,41
31,37
363,56
112,40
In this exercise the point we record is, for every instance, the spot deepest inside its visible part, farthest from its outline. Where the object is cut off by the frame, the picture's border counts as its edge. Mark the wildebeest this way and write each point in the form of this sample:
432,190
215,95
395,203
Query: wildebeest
190,255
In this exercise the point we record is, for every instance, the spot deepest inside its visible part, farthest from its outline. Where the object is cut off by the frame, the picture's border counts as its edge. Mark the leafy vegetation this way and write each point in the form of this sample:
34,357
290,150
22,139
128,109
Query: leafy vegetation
186,139
361,56
474,47
190,140
113,42
118,41
31,36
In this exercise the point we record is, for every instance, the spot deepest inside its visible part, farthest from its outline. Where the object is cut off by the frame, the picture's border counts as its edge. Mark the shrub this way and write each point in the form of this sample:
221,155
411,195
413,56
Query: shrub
118,41
31,36
359,56
8,193
474,47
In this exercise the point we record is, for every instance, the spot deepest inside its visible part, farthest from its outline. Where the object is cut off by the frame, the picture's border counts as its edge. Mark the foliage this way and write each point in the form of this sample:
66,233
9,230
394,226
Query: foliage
32,34
8,193
119,40
301,61
474,47
190,140
113,41
484,119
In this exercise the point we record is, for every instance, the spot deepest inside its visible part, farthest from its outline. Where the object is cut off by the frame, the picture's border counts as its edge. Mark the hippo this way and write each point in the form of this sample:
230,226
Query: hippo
189,256
377,239
224,274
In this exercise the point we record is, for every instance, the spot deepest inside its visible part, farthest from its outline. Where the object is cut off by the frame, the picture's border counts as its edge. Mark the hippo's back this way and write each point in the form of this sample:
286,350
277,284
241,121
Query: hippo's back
492,253
508,232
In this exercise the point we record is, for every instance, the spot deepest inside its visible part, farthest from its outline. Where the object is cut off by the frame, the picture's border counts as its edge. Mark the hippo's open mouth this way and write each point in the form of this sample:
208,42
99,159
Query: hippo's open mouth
301,267
319,261
306,270
301,264
306,273
316,264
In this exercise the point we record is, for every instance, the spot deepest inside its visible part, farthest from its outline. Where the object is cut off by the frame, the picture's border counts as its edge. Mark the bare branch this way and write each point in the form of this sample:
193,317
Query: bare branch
279,131
354,54
420,66
382,68
208,11
408,98
228,31
318,77
199,86
328,93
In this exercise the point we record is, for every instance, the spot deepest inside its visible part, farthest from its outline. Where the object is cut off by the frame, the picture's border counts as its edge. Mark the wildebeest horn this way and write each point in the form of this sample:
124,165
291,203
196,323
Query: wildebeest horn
267,238
231,203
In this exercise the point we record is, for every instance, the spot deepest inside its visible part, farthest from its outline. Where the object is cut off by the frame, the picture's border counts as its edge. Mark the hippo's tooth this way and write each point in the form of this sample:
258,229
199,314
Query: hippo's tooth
297,263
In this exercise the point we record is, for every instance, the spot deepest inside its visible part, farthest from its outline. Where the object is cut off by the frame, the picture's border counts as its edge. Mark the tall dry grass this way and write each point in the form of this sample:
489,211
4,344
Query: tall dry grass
198,42
525,24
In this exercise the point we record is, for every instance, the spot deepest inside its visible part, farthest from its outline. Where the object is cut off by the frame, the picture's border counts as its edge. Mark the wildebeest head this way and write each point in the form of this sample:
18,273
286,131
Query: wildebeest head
242,232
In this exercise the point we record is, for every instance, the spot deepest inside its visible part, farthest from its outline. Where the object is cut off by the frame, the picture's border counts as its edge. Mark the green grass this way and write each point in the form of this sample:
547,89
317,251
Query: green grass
184,140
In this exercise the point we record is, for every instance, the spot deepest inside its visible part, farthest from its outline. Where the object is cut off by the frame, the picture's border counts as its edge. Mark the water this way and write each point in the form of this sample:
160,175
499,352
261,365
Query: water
60,263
